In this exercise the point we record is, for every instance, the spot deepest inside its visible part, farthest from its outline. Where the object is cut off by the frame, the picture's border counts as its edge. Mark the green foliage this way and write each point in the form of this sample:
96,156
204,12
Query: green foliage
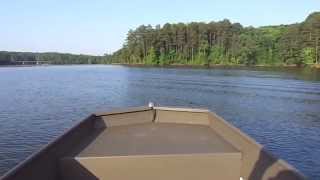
308,55
223,43
216,55
18,58
163,60
151,58
195,43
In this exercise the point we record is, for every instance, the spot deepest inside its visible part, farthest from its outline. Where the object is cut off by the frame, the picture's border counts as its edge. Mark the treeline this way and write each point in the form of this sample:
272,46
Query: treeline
19,58
222,43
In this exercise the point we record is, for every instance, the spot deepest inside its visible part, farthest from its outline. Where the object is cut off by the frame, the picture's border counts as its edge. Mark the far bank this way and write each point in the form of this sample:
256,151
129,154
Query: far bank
224,66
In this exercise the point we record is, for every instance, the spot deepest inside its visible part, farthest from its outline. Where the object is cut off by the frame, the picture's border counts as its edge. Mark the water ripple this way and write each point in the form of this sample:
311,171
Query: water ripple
279,109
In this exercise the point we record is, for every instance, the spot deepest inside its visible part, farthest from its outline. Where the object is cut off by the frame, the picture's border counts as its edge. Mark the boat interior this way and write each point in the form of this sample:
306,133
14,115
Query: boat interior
154,143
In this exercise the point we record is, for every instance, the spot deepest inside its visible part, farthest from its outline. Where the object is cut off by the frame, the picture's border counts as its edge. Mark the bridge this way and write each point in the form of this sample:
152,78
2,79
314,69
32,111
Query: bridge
32,62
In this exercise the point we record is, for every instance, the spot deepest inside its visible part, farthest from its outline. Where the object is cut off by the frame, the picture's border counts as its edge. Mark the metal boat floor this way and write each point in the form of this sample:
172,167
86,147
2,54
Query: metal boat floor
155,139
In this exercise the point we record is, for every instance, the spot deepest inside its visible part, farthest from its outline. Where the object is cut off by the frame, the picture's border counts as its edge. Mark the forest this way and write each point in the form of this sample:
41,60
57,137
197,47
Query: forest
199,43
19,58
222,43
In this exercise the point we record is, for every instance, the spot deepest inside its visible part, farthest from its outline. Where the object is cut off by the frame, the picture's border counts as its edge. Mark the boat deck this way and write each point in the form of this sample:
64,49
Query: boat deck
156,139
153,143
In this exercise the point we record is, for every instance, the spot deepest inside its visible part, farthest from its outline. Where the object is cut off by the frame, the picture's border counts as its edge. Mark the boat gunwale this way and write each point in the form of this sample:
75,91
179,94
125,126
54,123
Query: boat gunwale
237,130
56,140
123,111
181,109
43,149
252,141
145,108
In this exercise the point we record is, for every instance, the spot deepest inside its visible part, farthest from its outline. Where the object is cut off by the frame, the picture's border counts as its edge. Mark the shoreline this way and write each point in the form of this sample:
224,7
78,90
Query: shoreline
46,65
218,66
221,66
316,66
26,65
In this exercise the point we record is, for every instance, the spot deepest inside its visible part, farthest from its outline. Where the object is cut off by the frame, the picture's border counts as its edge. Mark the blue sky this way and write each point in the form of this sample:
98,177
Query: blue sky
100,26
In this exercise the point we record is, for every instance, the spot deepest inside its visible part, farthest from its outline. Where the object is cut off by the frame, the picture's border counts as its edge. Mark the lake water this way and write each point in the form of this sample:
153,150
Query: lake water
280,109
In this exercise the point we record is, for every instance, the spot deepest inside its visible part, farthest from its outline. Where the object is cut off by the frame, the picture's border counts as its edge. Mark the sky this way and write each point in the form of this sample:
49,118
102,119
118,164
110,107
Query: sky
100,26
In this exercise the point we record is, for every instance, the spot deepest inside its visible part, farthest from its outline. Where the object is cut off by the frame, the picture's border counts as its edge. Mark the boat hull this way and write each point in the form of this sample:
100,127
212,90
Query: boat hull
153,142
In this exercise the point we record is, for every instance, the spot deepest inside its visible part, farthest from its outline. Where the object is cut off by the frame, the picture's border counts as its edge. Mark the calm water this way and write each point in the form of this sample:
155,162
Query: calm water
281,110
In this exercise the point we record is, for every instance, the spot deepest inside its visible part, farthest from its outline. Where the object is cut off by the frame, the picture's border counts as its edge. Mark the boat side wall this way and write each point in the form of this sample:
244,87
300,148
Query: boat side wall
257,164
180,115
134,117
123,110
43,165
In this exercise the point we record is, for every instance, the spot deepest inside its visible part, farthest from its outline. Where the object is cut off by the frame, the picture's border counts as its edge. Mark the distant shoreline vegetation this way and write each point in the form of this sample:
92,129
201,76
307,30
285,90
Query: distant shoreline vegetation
229,66
223,43
29,58
201,44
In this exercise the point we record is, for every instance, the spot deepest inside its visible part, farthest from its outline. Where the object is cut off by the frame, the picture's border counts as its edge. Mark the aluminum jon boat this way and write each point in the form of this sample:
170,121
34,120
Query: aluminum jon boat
153,143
